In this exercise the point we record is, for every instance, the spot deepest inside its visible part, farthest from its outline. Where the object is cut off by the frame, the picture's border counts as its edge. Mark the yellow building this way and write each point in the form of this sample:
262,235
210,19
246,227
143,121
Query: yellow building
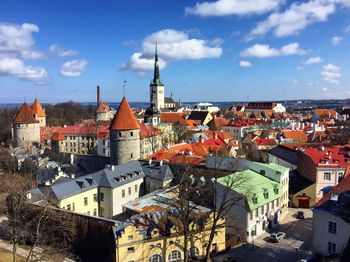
157,237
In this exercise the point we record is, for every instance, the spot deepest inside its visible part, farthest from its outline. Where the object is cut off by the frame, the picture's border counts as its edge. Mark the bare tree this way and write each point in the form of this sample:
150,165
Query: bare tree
180,132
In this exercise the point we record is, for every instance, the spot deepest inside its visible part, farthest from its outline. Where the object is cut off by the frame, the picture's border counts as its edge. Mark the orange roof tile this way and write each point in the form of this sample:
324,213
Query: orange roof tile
37,109
296,135
103,108
58,137
329,113
124,119
24,115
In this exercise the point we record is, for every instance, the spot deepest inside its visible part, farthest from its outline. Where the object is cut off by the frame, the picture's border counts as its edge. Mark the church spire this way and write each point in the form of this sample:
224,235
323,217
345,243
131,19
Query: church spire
156,74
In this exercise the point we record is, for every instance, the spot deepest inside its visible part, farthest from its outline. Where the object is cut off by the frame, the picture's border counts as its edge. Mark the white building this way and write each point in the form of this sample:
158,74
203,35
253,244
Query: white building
205,107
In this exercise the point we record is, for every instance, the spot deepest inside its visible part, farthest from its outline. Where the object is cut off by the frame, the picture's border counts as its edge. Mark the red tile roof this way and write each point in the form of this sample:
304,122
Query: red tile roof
148,131
336,156
58,137
103,108
328,113
25,115
37,109
297,135
217,122
265,141
261,105
124,119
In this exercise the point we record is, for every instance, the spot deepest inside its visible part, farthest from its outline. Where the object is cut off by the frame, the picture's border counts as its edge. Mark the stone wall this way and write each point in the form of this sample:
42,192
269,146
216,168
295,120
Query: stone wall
124,146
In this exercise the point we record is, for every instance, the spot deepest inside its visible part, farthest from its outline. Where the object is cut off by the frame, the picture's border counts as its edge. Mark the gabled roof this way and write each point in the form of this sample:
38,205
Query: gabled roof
217,122
103,108
124,119
37,108
198,115
24,115
329,113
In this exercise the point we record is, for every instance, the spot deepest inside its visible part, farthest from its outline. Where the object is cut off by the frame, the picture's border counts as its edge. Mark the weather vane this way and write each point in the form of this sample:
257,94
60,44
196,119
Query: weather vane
124,85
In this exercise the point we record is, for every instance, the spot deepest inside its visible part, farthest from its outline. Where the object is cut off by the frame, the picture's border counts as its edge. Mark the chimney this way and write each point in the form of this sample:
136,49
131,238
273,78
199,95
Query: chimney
98,95
160,162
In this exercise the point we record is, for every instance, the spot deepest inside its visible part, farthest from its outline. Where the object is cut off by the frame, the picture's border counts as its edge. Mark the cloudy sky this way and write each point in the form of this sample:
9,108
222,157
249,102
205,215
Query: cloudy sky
223,50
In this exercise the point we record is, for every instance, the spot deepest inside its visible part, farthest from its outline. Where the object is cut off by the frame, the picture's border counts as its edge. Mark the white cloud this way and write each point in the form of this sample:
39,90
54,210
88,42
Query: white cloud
244,63
140,64
336,40
297,17
61,52
295,81
73,68
313,60
325,89
233,7
331,74
300,68
172,46
262,51
15,67
17,44
17,41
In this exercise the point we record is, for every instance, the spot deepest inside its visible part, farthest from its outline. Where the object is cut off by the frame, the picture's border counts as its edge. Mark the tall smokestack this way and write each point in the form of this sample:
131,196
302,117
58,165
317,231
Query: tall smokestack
98,95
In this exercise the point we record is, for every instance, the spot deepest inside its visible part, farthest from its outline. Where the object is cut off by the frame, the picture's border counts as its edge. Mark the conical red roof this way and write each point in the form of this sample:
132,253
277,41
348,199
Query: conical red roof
103,108
124,119
24,115
37,108
58,137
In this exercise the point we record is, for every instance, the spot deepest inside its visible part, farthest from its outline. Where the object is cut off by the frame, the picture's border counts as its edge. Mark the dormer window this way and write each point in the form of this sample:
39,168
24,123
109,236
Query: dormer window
275,190
255,199
266,194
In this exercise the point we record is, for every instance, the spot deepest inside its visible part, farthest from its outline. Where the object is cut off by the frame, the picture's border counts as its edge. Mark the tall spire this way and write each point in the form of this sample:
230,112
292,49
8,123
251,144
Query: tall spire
156,74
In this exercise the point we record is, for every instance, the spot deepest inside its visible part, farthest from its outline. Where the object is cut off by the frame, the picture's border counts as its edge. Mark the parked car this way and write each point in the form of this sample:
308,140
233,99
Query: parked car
300,215
277,237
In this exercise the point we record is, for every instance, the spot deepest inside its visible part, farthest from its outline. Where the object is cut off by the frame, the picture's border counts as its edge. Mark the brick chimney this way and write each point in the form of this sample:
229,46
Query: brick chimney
98,95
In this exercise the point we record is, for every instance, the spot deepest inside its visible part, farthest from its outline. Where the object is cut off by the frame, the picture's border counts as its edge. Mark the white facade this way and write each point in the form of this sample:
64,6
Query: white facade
279,108
330,234
159,95
205,107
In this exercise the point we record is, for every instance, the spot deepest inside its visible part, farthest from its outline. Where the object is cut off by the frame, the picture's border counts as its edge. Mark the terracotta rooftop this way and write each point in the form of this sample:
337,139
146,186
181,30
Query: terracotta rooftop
328,113
103,108
37,108
124,119
330,157
58,137
148,131
25,115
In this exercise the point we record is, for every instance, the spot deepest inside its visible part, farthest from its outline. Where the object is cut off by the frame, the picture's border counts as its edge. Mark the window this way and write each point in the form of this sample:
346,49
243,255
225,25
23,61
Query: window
273,204
194,251
88,213
123,193
85,201
131,133
332,227
256,212
131,237
277,202
95,212
327,176
136,188
95,197
129,191
120,134
68,207
266,194
276,190
155,258
102,211
174,255
132,155
131,249
332,248
102,196
262,210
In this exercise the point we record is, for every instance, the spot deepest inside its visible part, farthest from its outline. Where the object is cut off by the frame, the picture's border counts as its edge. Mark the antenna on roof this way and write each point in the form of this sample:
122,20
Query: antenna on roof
124,82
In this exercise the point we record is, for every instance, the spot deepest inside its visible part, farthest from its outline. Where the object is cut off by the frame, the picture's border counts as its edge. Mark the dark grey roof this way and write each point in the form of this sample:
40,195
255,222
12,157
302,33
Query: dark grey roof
111,177
169,100
157,171
285,153
198,115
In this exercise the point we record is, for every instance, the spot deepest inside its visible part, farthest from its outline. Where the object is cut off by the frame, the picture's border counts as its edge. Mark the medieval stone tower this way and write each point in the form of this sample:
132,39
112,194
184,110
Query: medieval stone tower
25,127
103,112
124,135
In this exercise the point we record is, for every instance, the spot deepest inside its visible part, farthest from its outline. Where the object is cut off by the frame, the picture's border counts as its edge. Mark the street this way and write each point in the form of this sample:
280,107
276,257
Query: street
294,247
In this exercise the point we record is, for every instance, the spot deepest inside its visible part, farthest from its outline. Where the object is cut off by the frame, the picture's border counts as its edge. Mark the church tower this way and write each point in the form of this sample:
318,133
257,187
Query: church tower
152,115
156,87
124,135
39,112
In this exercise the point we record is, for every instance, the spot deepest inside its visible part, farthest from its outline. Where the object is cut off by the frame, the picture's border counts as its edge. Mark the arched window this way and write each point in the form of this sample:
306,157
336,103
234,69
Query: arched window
193,252
155,258
175,255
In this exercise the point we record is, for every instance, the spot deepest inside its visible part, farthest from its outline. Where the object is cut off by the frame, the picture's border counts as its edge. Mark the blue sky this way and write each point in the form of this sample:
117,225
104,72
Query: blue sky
225,50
